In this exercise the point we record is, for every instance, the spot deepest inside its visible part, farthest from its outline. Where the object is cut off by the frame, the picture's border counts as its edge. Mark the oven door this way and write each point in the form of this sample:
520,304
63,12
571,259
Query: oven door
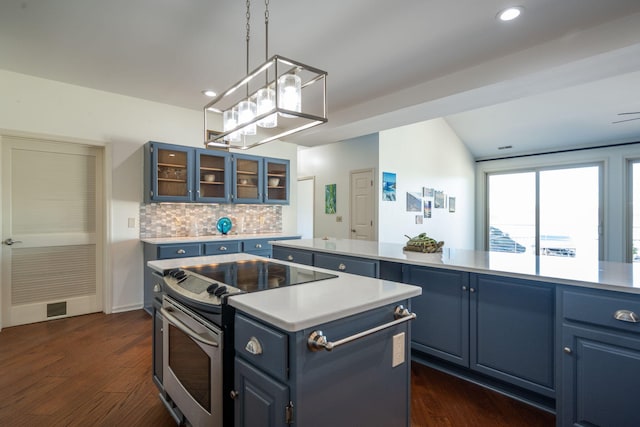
192,366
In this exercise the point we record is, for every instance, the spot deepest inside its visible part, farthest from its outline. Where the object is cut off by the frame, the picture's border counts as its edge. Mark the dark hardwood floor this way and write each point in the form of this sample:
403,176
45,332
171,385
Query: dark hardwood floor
95,370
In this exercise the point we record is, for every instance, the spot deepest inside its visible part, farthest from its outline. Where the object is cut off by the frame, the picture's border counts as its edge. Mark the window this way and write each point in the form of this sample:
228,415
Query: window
549,212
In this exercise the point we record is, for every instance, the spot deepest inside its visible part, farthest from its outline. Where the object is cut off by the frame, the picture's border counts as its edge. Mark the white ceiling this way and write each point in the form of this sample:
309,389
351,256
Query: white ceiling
555,78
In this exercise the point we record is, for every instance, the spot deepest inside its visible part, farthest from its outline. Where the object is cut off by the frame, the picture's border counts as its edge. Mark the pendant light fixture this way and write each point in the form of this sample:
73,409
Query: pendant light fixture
267,104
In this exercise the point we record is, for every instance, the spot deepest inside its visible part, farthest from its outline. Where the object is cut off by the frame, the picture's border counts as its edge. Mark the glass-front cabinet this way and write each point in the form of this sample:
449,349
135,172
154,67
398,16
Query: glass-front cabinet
174,173
276,180
171,173
247,179
213,176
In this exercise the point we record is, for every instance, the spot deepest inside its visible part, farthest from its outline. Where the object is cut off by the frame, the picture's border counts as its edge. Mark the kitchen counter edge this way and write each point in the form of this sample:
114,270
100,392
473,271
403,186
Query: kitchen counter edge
217,237
604,275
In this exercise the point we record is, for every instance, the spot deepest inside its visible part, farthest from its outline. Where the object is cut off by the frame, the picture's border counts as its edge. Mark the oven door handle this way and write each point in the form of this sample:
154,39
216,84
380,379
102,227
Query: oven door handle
184,328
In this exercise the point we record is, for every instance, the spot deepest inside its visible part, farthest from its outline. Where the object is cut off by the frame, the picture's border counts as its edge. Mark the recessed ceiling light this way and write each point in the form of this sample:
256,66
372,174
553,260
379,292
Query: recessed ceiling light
209,92
510,13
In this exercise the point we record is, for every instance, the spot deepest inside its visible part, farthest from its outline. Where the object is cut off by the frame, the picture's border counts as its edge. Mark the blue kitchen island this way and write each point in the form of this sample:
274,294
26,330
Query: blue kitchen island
331,350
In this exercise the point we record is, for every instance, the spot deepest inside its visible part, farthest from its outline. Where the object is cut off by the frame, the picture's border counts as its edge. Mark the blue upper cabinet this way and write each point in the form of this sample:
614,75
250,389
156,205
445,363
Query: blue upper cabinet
276,179
212,176
247,179
174,173
168,173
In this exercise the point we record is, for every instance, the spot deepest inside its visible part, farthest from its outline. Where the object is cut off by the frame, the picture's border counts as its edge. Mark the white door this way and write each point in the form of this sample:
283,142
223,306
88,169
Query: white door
51,212
306,188
363,224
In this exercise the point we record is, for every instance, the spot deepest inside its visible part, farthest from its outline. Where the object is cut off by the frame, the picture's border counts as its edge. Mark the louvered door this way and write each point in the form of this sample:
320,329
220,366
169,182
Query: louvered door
51,206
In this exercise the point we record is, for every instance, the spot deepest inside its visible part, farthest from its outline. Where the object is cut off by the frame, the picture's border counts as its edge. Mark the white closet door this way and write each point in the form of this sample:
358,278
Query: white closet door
51,203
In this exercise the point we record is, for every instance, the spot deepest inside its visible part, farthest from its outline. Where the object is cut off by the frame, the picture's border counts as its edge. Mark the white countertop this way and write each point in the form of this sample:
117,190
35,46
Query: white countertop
618,276
217,237
294,308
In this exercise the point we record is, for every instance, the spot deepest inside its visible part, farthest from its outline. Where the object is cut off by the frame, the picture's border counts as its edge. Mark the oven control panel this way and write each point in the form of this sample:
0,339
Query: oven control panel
197,287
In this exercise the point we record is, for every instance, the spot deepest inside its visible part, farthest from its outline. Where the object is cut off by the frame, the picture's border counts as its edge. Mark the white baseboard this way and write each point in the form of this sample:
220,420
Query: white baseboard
126,308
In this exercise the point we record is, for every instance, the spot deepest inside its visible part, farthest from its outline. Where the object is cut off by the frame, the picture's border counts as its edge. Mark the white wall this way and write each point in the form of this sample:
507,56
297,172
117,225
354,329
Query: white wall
427,154
124,124
331,164
615,187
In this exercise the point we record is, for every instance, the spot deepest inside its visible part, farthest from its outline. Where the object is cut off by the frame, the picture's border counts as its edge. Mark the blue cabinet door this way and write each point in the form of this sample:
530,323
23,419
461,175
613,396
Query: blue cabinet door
247,179
168,173
600,373
513,331
441,328
276,181
261,400
212,176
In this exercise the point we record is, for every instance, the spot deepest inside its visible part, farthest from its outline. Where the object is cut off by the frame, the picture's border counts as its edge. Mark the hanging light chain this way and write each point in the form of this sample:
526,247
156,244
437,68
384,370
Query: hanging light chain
266,29
248,16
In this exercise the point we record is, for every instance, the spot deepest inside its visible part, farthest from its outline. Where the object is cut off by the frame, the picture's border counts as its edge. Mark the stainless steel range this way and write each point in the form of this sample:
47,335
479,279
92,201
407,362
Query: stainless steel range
198,334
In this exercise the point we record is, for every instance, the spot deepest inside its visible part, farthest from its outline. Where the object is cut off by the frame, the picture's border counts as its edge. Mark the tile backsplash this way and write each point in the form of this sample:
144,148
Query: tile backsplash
191,219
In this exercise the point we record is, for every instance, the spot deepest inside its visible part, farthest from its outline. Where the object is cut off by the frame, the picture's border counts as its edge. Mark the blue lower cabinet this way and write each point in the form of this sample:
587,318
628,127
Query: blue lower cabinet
293,255
499,327
221,248
179,250
442,326
260,247
364,382
346,264
599,359
260,401
512,326
600,374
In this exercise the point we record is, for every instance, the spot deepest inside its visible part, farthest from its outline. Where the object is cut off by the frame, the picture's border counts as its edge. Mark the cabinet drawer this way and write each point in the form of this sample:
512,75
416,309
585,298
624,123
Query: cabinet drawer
179,251
269,345
255,245
218,248
599,308
360,266
293,255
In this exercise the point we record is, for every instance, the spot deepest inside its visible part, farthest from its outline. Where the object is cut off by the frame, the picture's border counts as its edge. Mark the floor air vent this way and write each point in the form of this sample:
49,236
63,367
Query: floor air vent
57,309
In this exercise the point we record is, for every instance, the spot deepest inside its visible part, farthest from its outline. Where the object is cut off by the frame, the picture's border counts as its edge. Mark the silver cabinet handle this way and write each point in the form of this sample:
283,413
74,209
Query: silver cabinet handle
342,267
464,288
317,341
181,251
10,241
258,246
626,316
234,394
472,289
184,328
289,257
223,248
567,350
253,346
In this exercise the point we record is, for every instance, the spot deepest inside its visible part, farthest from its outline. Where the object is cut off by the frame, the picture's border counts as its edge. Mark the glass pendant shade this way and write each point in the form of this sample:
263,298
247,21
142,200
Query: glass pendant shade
230,121
290,93
266,101
246,113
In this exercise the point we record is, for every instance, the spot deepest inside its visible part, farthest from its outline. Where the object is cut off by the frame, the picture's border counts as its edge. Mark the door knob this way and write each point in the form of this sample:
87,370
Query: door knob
10,241
353,230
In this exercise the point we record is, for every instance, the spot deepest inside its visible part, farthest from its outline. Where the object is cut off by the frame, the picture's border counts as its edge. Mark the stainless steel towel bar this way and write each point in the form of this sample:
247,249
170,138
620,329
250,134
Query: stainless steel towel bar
317,341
